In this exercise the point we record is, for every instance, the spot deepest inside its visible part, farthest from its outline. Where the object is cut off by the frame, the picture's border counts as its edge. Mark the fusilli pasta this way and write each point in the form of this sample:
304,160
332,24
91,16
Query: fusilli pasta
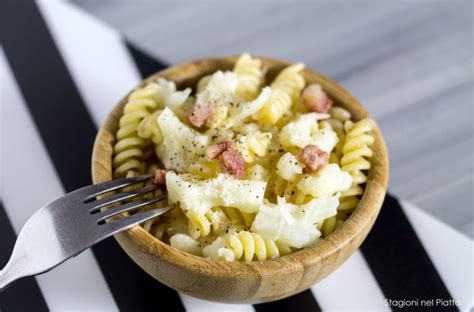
250,76
355,154
128,149
285,89
245,245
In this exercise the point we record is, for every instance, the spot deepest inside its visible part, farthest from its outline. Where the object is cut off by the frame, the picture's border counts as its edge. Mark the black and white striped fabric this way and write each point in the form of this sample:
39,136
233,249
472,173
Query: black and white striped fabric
61,73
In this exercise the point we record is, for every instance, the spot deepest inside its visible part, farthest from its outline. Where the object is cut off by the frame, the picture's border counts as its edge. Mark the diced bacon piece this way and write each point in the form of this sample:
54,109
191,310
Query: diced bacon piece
160,177
215,150
313,158
200,113
233,163
315,99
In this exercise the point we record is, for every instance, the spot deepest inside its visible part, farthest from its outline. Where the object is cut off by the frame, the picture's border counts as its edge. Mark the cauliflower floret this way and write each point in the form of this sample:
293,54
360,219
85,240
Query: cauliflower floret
166,94
181,145
288,167
220,89
291,224
319,209
299,132
224,190
186,243
325,139
228,107
326,182
218,250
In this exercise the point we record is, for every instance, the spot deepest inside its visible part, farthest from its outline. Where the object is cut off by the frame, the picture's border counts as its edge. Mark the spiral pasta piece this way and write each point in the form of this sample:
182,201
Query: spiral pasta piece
198,225
218,221
128,150
250,76
331,224
249,245
238,218
340,114
355,154
356,148
290,80
285,90
149,128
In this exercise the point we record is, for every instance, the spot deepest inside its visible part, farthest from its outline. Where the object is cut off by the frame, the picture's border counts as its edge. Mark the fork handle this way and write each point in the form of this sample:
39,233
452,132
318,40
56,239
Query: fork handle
18,266
6,278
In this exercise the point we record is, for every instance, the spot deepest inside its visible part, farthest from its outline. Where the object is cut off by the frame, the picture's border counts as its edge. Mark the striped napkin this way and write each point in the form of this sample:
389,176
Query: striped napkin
61,73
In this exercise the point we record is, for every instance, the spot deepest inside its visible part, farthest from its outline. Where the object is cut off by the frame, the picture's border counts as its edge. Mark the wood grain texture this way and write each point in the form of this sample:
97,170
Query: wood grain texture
257,281
410,62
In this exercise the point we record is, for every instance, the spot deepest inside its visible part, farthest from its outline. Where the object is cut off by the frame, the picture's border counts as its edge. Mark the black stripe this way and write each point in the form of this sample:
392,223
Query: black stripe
303,301
10,297
68,133
145,63
399,261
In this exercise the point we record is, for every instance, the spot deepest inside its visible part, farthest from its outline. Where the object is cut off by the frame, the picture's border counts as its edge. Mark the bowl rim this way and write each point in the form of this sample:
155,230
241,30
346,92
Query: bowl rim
362,216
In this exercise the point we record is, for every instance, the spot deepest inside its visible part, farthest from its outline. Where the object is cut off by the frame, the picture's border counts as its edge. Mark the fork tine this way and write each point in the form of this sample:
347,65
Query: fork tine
126,223
122,196
105,187
128,207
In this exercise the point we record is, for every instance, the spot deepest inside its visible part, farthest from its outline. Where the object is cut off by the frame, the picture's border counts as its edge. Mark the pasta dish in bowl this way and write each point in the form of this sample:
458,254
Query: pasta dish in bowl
277,174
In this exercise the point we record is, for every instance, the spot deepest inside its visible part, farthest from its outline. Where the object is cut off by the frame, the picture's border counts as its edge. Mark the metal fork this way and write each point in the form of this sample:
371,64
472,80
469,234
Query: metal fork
69,225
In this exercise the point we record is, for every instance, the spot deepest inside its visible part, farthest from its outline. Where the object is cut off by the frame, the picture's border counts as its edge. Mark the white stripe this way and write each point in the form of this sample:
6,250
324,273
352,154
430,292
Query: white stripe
451,253
351,287
29,181
198,305
95,55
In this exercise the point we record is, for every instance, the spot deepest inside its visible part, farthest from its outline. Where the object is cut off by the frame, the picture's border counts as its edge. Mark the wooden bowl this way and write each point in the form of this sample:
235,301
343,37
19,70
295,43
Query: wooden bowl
257,281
